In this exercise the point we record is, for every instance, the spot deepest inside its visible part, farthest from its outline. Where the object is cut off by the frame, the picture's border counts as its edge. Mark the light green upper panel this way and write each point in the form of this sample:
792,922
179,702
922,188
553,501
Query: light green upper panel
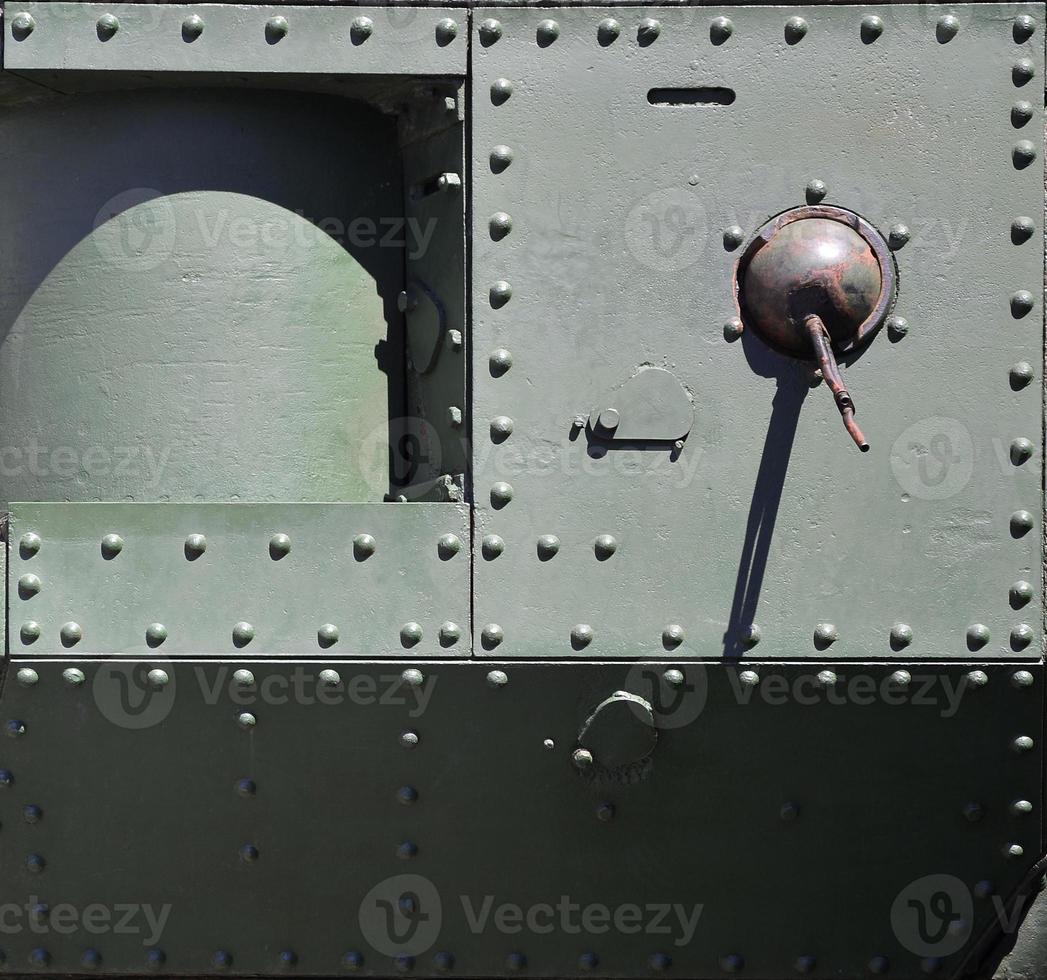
235,38
600,251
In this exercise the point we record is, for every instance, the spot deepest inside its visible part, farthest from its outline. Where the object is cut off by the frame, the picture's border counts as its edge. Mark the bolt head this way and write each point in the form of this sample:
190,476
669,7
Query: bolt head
446,31
448,546
947,28
276,29
106,27
500,361
361,29
195,546
1022,678
363,547
246,720
647,31
548,545
795,30
608,31
720,30
582,758
490,31
900,679
450,634
155,634
815,191
243,677
327,635
158,678
192,28
491,636
977,636
604,546
70,634
412,677
29,545
73,676
29,632
408,739
279,546
29,586
977,678
1024,28
1023,744
581,636
749,678
243,633
672,636
547,32
497,679
22,26
329,678
872,28
27,677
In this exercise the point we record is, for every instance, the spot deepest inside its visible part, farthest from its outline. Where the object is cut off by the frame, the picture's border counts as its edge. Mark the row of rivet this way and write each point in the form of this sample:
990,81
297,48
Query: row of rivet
243,633
276,28
364,546
721,29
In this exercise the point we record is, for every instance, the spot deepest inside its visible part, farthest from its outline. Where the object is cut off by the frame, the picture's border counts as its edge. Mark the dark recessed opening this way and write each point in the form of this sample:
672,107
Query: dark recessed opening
706,95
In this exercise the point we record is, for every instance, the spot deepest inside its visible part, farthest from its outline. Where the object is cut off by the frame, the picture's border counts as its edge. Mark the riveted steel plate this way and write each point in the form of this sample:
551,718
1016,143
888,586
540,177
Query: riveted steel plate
234,37
380,574
768,824
635,151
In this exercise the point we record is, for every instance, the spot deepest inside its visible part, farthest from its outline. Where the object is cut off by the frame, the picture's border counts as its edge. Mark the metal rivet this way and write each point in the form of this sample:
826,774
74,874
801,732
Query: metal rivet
106,27
1022,678
548,545
454,416
491,636
406,849
1021,523
248,853
720,30
192,28
977,636
1022,303
7,778
35,863
672,636
805,964
659,962
275,29
497,678
973,812
363,547
1024,27
448,546
501,428
1020,808
499,361
977,678
195,546
1020,594
1023,71
732,963
749,678
732,330
588,961
246,788
288,958
454,339
449,634
500,224
733,236
515,962
647,31
243,677
501,157
73,676
608,31
872,28
329,678
246,720
1022,229
1021,636
1023,744
29,586
403,963
29,545
352,960
1020,375
947,28
39,957
900,679
901,636
327,635
1013,851
604,546
1021,113
491,546
31,813
243,633
443,961
789,811
220,959
815,191
825,634
1021,451
361,29
500,293
898,237
1023,154
795,30
827,678
501,494
446,31
408,739
157,678
30,632
412,677
879,965
581,636
490,30
897,328
155,634
22,26
70,634
410,634
27,677
279,546
547,32
673,677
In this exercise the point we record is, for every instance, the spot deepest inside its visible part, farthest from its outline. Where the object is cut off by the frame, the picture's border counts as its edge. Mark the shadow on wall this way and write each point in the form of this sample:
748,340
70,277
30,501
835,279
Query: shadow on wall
198,297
